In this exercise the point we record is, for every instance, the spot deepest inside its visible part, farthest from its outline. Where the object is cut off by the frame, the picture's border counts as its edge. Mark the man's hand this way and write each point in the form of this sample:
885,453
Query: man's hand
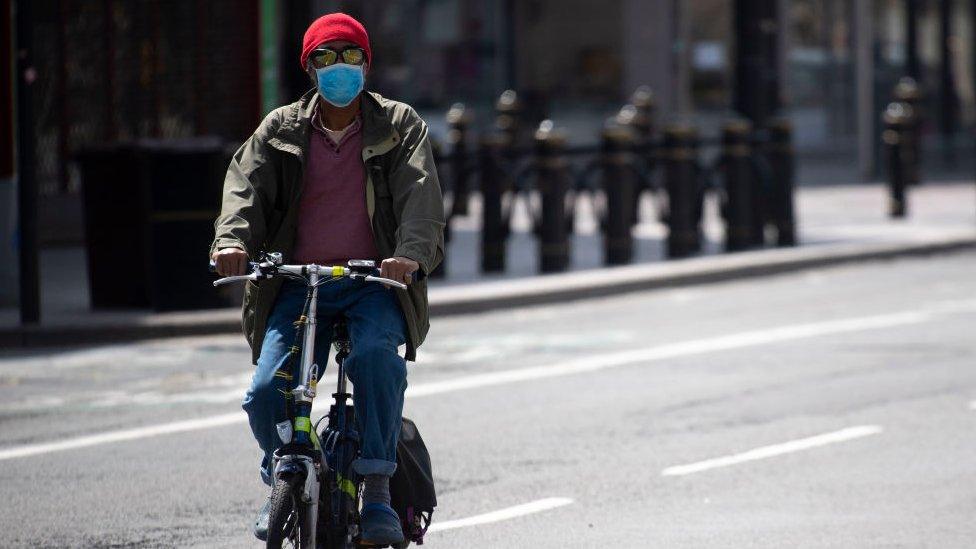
230,261
397,268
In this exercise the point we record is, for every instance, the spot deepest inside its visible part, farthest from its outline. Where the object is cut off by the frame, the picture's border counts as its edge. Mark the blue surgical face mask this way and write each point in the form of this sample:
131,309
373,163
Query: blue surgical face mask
339,84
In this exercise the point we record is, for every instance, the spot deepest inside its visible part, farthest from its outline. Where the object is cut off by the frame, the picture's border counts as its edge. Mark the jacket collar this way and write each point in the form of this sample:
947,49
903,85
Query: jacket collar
378,132
377,126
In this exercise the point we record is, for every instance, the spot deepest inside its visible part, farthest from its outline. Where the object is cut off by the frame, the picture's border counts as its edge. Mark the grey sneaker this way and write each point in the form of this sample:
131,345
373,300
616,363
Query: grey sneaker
261,522
379,525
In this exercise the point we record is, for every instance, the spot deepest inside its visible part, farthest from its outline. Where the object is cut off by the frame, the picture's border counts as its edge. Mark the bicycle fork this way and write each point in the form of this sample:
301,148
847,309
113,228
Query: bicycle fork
309,494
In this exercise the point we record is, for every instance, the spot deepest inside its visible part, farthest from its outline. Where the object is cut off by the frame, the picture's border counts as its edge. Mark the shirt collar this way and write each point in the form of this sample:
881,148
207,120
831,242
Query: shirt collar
317,122
351,129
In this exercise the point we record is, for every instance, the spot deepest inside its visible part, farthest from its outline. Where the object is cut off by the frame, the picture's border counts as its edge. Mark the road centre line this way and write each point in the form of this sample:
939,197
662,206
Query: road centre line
502,514
581,365
674,350
764,452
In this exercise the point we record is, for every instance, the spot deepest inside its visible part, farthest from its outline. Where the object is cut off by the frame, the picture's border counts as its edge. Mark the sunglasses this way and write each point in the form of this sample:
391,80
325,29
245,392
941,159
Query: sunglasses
323,57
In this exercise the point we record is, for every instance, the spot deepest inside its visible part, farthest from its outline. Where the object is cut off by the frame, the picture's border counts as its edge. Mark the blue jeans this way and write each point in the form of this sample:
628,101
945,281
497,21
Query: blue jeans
378,373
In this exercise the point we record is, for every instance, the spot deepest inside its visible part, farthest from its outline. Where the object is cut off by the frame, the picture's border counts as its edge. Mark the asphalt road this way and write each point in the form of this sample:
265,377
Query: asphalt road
831,408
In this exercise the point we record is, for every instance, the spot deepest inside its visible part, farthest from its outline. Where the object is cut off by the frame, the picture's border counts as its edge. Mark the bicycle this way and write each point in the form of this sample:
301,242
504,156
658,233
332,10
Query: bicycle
302,515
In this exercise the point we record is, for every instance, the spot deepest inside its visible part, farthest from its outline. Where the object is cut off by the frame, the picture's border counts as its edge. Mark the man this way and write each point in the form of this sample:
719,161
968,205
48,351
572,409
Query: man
340,174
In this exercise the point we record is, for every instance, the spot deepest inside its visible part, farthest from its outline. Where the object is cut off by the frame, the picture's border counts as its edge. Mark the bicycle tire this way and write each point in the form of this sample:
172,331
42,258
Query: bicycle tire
284,520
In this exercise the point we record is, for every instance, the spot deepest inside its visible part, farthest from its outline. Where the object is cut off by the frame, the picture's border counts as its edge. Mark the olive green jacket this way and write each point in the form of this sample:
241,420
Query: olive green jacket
403,199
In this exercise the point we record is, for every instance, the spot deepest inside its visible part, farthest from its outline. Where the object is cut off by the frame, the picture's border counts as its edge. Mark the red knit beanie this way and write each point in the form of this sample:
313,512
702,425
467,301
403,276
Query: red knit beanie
334,26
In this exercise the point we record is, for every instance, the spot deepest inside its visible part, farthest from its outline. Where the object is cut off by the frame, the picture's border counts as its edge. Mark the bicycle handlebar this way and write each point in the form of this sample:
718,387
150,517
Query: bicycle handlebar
258,271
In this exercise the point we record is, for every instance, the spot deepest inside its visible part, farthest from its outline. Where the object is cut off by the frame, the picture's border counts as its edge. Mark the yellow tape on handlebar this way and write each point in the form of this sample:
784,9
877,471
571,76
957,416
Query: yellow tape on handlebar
338,270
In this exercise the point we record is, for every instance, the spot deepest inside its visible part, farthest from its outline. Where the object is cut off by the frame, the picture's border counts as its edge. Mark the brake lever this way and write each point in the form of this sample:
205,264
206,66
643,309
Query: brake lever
229,279
385,281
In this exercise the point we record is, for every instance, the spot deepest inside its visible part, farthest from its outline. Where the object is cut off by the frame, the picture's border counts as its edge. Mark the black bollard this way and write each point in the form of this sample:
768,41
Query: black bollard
681,181
908,91
553,184
639,115
441,270
643,101
620,187
508,116
458,121
897,138
494,184
782,162
741,188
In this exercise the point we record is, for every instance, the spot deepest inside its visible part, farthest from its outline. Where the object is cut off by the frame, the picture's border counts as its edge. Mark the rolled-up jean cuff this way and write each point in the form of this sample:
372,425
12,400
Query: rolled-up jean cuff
374,467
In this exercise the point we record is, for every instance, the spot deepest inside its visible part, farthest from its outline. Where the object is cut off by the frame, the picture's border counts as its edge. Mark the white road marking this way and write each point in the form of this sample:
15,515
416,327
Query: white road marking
126,434
764,452
674,350
502,514
581,365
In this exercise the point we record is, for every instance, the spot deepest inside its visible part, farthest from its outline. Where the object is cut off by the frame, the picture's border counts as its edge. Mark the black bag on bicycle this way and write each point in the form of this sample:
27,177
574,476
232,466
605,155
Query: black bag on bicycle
412,485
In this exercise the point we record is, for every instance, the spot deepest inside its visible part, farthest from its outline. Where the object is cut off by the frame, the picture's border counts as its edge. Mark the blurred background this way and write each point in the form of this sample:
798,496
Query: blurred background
104,73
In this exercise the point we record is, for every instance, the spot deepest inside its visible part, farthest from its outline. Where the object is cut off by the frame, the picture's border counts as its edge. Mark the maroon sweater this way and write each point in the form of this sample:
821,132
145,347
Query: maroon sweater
333,224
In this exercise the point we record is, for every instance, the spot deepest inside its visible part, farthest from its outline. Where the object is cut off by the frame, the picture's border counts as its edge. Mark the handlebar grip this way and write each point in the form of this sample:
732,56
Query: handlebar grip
250,267
416,276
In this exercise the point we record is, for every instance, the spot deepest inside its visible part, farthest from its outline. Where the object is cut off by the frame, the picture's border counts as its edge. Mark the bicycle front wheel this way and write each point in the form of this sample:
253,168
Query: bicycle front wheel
287,515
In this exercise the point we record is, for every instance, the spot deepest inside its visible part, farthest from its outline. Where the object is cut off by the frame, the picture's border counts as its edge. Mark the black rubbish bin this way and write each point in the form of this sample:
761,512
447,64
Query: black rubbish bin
149,212
113,212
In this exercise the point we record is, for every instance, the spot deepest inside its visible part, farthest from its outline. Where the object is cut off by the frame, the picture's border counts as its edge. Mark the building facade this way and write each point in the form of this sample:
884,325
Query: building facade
838,61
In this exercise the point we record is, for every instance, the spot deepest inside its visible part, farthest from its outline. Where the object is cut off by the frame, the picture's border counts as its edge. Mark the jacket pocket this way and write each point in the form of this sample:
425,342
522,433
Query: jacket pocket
247,310
384,208
381,185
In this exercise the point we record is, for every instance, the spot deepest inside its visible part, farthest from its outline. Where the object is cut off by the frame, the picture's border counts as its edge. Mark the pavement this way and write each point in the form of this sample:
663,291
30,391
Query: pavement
828,408
836,224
